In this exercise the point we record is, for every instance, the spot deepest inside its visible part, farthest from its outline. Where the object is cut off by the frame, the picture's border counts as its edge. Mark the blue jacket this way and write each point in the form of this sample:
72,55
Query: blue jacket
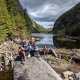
26,47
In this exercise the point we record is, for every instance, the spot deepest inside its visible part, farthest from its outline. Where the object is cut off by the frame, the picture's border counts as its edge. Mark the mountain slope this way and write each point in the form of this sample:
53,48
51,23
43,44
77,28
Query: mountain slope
5,21
38,28
69,22
14,21
19,16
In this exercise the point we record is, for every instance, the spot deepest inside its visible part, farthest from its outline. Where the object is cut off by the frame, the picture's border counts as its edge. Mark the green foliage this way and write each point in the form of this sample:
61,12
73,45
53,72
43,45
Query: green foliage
14,21
29,23
17,16
5,21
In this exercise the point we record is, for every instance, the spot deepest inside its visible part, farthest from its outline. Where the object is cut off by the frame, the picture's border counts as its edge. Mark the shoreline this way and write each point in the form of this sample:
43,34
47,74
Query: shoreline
60,65
63,64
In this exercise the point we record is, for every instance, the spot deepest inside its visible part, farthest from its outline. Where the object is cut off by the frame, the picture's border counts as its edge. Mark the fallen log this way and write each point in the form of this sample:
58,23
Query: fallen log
45,51
76,59
54,53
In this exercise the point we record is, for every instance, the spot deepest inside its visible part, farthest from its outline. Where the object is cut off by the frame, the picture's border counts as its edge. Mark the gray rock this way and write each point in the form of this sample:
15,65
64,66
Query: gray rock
78,75
67,74
34,69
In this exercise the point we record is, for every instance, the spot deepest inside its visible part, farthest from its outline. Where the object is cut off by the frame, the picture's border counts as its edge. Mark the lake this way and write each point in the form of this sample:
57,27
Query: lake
44,40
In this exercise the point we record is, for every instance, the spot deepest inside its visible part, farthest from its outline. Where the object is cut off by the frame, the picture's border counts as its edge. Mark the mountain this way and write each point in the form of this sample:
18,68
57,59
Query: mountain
69,22
50,30
14,20
38,28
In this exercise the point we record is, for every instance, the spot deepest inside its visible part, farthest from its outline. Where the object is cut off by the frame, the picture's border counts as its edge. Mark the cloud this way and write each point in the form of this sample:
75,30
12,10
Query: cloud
46,12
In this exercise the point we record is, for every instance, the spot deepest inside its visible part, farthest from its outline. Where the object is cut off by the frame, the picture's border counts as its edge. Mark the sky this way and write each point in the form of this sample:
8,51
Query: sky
46,12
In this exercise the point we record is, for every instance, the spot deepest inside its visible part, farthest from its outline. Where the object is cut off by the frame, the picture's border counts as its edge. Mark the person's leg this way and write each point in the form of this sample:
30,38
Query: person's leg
29,54
20,53
36,53
24,56
21,57
32,53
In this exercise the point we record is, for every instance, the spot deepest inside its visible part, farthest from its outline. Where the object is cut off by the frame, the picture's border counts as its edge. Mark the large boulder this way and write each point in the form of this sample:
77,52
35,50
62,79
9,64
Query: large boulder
34,69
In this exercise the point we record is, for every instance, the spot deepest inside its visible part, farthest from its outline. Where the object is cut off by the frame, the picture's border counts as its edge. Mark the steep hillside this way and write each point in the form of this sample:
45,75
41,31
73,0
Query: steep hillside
69,22
15,21
50,30
38,28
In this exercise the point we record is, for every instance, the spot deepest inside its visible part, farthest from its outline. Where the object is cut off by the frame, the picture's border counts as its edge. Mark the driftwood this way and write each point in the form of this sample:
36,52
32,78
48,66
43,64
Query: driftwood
76,59
54,53
45,51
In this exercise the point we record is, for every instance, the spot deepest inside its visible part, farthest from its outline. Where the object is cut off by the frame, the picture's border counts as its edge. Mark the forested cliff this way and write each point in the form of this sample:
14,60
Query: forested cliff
14,20
69,22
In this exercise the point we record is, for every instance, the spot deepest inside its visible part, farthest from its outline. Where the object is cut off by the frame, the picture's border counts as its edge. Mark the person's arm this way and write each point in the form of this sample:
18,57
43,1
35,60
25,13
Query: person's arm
22,49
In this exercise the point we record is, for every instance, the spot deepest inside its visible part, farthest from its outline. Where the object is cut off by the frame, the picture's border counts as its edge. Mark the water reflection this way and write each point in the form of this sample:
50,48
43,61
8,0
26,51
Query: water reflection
44,40
64,42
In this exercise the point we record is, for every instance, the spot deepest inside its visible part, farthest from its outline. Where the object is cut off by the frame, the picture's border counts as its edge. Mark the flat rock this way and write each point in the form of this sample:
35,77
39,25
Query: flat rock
34,69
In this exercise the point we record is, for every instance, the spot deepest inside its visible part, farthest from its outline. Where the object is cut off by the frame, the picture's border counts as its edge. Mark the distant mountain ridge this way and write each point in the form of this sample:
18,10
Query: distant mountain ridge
38,28
69,22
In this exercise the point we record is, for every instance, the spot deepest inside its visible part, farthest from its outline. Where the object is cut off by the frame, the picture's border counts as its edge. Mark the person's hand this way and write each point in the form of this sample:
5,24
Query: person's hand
22,49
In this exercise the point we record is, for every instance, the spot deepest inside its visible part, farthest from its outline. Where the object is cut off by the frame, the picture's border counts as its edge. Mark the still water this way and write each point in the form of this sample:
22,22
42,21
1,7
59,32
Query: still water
44,40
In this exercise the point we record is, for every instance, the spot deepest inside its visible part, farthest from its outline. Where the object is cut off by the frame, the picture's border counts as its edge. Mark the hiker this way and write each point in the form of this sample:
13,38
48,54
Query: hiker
22,54
34,50
26,47
24,50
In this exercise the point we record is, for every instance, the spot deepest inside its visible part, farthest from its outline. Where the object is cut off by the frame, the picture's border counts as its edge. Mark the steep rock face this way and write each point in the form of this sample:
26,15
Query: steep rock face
69,22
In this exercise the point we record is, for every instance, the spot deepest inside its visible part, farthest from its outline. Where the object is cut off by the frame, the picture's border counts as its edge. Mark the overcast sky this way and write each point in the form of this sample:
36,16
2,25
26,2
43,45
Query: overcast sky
45,12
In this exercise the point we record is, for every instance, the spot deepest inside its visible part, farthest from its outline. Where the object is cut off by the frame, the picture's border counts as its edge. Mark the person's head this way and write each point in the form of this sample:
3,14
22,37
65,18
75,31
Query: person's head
19,47
32,39
27,41
24,41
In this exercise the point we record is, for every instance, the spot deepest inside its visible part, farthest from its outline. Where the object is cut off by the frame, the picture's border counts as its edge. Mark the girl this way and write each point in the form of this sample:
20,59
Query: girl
34,50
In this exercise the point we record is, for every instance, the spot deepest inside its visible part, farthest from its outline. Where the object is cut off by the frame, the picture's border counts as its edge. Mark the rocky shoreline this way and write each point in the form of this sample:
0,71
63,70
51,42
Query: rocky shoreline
62,64
7,52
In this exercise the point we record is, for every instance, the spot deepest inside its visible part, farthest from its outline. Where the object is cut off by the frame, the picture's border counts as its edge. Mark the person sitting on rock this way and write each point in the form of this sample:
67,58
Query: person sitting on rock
22,54
26,47
24,50
34,50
